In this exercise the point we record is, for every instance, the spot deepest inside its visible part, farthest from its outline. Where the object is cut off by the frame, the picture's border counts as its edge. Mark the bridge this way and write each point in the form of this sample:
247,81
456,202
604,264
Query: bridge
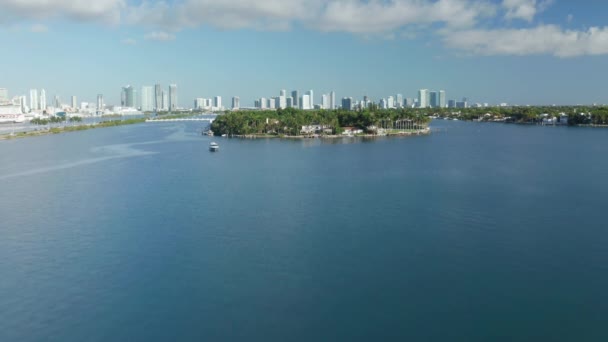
181,119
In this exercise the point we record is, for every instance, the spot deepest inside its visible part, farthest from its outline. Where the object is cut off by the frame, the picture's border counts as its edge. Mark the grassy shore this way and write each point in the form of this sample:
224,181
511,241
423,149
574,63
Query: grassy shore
57,130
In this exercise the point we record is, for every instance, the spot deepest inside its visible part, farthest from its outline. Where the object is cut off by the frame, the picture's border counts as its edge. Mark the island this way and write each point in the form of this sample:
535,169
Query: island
297,123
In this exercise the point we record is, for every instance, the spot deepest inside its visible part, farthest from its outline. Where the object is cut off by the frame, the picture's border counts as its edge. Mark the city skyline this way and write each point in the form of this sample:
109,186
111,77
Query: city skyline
526,52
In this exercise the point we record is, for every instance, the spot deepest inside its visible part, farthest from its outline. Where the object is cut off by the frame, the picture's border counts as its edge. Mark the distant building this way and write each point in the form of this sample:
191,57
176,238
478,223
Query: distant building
217,102
164,102
127,97
42,104
305,102
296,98
347,103
423,98
452,104
147,99
434,99
442,99
332,100
33,99
383,103
173,97
100,104
74,102
311,99
399,100
325,101
3,95
158,97
390,102
289,102
236,102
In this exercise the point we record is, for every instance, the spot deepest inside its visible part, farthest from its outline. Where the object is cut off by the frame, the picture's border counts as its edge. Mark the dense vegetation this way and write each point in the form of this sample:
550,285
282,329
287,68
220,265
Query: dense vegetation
580,115
290,121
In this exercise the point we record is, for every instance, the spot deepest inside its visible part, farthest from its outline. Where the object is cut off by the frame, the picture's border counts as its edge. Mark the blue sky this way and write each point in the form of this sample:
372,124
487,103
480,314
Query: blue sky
515,51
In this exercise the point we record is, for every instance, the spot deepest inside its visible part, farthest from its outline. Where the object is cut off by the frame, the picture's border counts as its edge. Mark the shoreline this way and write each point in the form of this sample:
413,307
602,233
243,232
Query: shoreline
425,131
67,129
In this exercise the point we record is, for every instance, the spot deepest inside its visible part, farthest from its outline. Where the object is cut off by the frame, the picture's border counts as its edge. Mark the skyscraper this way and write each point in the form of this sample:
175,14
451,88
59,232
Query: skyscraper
434,99
325,99
217,102
347,103
332,100
236,102
42,105
127,97
296,98
172,97
164,103
33,99
390,103
442,99
57,102
311,95
305,102
74,103
99,103
158,97
423,98
147,98
399,100
3,94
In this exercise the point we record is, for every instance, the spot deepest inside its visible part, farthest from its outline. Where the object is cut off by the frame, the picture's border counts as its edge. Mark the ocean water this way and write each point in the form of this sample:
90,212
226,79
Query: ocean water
481,232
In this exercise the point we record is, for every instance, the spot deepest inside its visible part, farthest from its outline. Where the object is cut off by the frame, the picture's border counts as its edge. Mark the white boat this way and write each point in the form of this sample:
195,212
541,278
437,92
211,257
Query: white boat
214,147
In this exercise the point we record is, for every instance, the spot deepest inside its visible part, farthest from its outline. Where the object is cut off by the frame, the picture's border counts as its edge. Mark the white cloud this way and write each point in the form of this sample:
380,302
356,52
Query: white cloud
524,9
540,40
160,36
39,28
97,10
129,41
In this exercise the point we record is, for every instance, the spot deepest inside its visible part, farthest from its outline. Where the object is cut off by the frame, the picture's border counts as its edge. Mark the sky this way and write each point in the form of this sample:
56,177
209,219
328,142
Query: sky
516,51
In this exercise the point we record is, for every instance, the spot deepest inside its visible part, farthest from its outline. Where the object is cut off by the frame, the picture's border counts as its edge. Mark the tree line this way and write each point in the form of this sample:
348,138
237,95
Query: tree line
290,121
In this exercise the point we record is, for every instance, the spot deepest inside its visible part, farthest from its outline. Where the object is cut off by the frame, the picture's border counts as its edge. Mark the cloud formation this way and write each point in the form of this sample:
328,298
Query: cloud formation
543,39
524,9
470,26
107,11
160,36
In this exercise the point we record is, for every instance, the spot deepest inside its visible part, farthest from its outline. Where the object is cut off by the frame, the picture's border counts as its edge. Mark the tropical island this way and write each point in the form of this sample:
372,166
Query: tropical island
297,123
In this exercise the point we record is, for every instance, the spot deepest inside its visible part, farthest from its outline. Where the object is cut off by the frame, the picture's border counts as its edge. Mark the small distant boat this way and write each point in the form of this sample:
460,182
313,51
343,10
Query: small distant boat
214,147
208,132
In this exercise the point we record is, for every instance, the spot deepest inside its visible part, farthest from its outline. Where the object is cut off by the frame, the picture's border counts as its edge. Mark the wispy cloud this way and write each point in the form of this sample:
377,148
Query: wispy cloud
160,36
108,11
39,28
129,41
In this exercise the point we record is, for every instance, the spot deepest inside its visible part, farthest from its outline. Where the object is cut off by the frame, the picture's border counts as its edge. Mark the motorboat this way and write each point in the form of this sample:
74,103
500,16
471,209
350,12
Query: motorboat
214,147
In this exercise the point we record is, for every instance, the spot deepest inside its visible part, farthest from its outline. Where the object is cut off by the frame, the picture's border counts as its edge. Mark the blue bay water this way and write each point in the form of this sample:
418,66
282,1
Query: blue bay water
483,232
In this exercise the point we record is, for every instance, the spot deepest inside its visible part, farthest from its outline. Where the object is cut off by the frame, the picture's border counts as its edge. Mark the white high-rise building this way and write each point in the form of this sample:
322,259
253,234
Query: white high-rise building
158,97
311,99
399,100
263,103
332,100
74,102
217,102
236,102
199,103
272,103
325,101
390,103
423,98
3,95
100,104
42,99
147,99
172,97
33,99
23,103
305,102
